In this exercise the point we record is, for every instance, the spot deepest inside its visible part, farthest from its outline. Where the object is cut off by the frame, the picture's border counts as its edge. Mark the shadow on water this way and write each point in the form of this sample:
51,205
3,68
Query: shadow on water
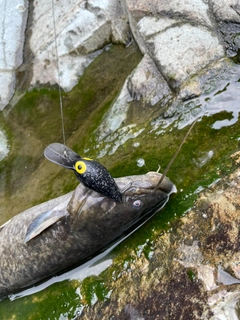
204,158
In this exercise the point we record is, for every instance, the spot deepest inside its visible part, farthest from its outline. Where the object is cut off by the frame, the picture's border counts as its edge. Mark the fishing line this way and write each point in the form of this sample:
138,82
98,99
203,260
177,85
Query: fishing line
58,73
175,155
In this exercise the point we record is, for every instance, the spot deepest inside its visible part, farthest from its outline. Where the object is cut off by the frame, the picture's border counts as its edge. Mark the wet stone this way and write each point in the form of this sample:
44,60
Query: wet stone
147,83
188,43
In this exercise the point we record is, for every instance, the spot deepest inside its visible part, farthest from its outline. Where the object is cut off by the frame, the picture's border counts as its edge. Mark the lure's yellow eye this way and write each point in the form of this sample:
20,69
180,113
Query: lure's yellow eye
80,167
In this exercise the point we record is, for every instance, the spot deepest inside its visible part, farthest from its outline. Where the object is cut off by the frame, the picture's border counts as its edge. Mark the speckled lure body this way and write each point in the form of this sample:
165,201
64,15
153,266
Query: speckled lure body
90,172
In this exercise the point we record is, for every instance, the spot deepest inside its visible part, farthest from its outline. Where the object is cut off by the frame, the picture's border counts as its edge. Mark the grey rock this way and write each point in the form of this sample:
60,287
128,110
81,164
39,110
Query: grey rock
4,147
13,22
147,83
82,30
182,51
181,38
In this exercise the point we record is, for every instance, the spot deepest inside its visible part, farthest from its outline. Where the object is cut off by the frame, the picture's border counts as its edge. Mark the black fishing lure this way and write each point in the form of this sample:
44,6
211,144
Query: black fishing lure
91,173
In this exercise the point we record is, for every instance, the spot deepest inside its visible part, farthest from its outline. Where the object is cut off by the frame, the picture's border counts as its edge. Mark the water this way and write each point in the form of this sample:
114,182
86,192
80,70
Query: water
138,146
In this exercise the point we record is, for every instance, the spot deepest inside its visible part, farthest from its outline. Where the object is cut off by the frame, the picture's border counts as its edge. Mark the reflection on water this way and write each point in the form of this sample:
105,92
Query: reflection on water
203,158
91,268
206,105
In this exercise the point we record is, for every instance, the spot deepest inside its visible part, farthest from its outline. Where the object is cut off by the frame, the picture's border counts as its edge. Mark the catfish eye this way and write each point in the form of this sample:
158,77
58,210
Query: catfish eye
137,203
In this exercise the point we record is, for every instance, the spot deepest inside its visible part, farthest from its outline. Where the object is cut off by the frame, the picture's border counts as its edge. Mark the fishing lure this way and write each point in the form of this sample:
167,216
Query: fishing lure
90,172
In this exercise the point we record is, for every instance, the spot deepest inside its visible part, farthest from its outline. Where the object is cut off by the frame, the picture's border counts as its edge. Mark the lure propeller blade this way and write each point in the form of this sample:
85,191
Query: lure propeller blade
61,155
90,172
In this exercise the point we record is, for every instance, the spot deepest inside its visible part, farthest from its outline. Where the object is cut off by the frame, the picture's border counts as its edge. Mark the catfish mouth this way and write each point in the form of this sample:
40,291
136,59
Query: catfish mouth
157,196
153,178
165,186
146,184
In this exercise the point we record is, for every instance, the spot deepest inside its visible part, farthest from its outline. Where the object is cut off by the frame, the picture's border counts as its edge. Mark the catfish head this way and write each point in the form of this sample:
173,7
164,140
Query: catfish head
100,217
92,217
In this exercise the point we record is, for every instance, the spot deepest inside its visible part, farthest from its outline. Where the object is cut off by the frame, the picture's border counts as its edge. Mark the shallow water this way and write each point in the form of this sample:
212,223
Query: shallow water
138,146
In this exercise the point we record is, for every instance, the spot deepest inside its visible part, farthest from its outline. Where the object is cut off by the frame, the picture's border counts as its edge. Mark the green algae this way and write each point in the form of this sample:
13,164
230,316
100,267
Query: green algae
93,289
48,305
192,275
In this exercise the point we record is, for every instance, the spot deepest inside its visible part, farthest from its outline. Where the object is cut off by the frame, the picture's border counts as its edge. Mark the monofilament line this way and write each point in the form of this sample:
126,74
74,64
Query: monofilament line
175,155
58,73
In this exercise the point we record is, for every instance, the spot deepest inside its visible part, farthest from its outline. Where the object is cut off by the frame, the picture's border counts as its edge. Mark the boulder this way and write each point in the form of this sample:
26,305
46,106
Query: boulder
13,23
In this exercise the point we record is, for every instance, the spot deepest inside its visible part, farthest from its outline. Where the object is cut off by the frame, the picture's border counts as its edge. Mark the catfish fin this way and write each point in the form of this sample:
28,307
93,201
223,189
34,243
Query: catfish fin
42,222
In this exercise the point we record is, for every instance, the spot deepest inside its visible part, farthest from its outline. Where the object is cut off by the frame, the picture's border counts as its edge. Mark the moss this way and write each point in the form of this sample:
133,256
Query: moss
51,304
191,275
92,289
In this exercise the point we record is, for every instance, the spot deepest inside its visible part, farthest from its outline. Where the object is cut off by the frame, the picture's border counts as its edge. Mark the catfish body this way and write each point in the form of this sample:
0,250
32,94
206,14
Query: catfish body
88,224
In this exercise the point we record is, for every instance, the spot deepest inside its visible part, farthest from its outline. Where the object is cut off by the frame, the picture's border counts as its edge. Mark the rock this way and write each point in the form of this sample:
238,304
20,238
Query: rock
83,29
172,37
182,39
196,9
13,22
226,10
7,87
184,44
115,117
147,84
